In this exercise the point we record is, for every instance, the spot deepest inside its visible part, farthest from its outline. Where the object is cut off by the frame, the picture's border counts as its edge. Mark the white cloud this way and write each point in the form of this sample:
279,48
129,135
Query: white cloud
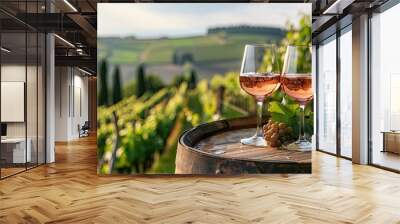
177,19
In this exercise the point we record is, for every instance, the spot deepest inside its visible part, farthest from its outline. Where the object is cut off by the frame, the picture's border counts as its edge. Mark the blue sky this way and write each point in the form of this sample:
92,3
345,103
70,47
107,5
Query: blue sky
149,20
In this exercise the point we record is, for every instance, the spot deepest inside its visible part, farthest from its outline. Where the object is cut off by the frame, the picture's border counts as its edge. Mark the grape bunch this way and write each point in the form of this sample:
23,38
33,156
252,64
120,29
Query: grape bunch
277,134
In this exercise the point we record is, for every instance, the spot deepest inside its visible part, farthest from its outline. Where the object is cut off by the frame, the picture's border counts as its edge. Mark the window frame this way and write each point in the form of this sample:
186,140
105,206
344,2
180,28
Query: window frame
332,36
27,29
379,10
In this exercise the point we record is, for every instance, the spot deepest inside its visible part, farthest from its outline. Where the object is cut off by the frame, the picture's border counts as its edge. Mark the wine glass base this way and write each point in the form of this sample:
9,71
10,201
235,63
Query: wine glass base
300,145
254,141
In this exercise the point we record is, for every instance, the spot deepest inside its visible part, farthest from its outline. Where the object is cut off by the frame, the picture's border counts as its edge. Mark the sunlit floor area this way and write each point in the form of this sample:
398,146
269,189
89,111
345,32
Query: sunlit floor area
387,159
8,171
69,191
12,169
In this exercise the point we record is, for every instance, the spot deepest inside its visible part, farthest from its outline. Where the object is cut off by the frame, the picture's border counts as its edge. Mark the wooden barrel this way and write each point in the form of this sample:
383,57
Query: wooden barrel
215,148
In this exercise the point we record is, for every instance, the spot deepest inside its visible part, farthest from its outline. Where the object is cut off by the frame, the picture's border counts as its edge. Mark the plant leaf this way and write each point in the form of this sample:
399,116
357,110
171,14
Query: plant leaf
276,107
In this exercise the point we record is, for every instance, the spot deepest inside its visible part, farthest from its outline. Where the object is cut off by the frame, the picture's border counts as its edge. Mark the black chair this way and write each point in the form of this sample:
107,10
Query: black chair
84,130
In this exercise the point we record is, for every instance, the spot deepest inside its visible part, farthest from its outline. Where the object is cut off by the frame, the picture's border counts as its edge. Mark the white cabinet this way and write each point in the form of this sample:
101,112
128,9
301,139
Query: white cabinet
17,145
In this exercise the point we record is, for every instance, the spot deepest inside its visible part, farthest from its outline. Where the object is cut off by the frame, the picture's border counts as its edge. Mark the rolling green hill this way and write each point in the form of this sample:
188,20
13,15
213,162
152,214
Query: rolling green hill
218,47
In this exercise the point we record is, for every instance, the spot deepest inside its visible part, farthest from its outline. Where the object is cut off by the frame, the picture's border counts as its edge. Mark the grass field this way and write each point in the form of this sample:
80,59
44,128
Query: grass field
216,47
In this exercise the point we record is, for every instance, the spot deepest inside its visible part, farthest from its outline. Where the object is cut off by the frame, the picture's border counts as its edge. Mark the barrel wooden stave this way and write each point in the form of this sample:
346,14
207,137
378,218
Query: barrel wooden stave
192,160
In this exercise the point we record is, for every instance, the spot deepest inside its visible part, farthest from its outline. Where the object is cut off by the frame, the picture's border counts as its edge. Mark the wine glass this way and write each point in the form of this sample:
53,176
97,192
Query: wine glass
259,77
296,82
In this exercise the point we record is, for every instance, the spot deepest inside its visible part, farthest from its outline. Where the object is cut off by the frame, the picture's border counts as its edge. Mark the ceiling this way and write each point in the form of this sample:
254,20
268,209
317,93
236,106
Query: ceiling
330,15
75,23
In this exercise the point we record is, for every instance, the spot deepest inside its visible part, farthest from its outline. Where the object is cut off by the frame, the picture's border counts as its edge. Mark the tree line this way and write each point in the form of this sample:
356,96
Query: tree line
245,29
145,83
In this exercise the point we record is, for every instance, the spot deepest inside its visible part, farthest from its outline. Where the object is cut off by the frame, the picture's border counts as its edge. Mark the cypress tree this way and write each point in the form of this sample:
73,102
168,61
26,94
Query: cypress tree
141,81
117,90
178,80
192,79
103,92
175,58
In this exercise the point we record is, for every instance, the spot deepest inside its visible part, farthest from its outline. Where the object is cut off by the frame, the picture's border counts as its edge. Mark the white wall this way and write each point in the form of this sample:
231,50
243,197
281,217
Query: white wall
33,126
62,81
14,73
71,93
79,115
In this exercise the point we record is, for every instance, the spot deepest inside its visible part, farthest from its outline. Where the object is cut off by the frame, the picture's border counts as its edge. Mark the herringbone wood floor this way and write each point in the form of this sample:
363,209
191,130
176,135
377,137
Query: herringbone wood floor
69,191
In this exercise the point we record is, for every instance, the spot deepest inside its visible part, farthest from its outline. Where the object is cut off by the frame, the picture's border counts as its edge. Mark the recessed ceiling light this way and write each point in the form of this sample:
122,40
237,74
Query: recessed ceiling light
84,71
338,6
70,5
64,40
5,50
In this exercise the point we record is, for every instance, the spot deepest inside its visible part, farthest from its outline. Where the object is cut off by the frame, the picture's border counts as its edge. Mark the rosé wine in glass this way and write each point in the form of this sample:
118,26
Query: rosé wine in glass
259,77
259,85
298,86
296,82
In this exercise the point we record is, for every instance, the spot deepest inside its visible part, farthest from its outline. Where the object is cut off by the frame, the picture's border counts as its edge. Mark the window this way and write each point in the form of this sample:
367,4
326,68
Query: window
22,87
385,89
327,96
346,92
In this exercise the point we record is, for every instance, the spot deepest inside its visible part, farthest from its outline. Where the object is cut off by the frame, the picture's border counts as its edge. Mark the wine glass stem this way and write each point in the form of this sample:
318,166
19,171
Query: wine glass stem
302,136
259,132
